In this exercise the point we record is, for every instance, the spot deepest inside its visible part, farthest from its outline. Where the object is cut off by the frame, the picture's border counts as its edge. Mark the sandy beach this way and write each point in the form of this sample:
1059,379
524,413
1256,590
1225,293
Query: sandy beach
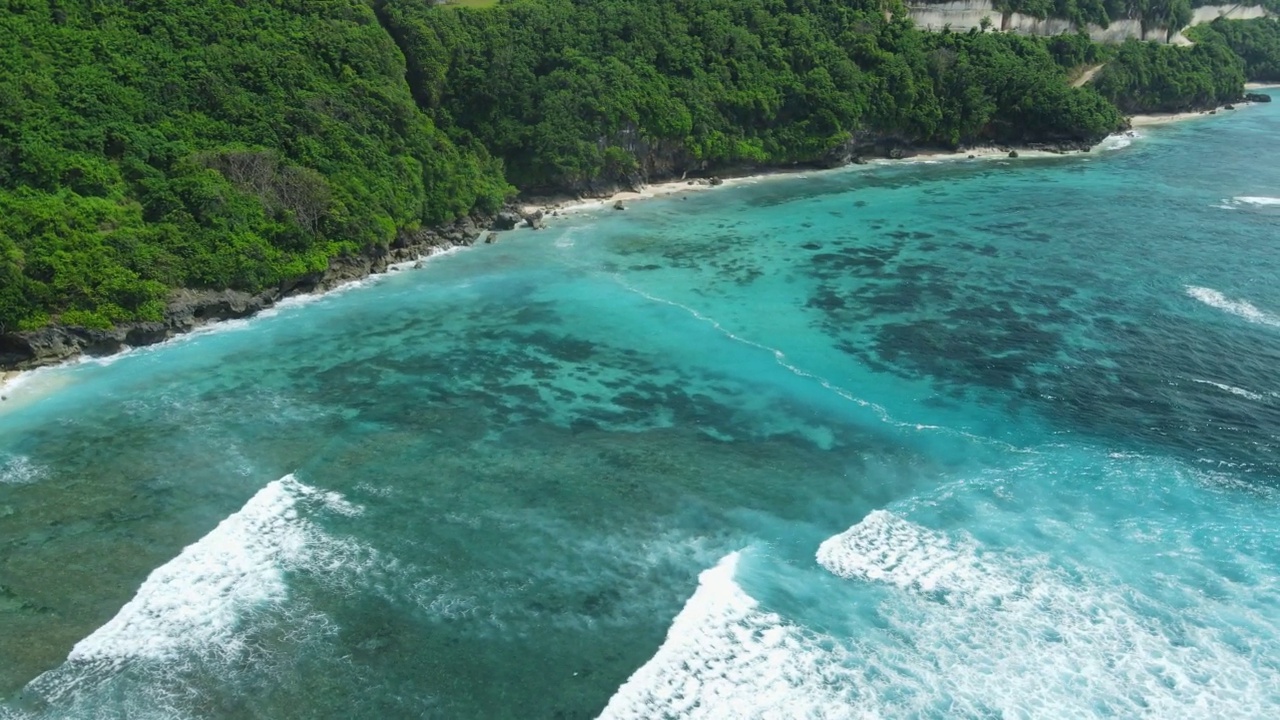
1163,118
557,206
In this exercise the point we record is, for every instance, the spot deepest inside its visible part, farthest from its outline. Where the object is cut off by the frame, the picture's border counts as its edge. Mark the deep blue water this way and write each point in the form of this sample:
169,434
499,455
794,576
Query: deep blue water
968,439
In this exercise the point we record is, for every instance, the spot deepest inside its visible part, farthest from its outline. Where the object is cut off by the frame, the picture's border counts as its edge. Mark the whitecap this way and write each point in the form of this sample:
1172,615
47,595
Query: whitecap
1247,394
1025,636
1258,200
726,657
196,606
886,548
1239,308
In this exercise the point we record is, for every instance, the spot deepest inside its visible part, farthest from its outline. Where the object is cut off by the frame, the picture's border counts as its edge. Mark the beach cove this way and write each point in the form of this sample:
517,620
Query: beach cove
859,425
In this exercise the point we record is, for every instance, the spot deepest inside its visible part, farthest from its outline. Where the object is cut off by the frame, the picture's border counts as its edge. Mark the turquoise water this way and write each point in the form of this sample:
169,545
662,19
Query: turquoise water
967,439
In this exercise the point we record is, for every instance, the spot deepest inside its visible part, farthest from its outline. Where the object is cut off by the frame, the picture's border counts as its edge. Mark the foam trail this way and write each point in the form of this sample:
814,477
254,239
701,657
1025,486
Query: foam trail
1259,201
1239,308
725,657
1247,394
972,632
196,604
781,359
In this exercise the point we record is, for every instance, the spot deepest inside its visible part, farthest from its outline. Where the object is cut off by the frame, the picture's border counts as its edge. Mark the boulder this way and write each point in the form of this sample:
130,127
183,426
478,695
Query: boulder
490,239
534,219
1228,106
619,206
506,220
1013,153
1257,97
896,154
716,181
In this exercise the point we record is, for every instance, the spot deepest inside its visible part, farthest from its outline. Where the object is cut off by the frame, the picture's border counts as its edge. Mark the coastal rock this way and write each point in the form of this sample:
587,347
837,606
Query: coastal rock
533,220
1228,106
506,220
1257,97
619,206
490,239
896,154
716,181
1013,153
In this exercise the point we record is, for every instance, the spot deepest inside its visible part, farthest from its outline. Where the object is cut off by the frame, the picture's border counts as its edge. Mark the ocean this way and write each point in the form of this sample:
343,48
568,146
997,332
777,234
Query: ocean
965,439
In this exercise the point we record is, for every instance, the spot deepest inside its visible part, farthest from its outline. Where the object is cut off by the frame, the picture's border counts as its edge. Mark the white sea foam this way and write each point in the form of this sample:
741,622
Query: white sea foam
886,548
1022,637
1119,141
1248,394
1239,202
197,605
961,630
1239,308
725,657
1259,201
18,470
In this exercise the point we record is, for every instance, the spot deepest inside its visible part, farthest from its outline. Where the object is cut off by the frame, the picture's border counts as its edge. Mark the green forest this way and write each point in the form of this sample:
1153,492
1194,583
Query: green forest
1257,42
153,144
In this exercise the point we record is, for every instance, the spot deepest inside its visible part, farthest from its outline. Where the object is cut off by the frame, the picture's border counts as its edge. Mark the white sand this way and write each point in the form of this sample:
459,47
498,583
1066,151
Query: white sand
571,206
1163,118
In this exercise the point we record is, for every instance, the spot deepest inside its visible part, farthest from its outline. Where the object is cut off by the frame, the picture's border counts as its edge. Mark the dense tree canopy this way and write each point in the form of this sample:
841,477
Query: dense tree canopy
1146,77
1257,42
153,144
566,89
145,145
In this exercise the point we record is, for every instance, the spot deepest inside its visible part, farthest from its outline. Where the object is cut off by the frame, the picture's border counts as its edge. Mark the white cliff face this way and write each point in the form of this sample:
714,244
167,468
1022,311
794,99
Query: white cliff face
964,14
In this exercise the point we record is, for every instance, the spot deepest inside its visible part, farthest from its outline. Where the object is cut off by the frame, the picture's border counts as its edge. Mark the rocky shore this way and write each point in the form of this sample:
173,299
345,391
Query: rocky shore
660,173
189,309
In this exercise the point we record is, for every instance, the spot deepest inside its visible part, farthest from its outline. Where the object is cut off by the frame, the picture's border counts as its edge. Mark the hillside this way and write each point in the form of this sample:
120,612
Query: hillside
167,143
151,146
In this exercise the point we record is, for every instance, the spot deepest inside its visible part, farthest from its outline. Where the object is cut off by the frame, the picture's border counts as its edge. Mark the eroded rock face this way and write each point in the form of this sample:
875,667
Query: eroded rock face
188,309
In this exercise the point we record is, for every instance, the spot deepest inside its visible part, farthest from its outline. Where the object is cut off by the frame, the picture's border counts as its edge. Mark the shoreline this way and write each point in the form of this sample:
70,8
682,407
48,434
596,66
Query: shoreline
566,205
1149,119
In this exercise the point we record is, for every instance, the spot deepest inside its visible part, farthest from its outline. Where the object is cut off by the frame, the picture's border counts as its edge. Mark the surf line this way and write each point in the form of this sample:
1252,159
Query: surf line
781,359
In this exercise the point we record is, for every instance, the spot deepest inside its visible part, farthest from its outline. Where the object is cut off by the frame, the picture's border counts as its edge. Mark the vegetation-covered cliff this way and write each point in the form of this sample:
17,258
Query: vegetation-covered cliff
1257,42
150,145
147,146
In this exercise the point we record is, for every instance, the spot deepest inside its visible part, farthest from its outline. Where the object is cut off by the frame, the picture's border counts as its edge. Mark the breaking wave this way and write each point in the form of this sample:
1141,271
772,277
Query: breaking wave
201,607
1239,308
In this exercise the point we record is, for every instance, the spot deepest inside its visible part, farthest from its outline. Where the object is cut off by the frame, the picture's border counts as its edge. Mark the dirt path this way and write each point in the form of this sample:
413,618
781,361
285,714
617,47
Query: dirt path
1087,75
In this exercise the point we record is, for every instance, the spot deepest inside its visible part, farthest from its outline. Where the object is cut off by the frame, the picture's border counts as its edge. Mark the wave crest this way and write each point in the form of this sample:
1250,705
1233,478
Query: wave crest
1239,308
196,607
